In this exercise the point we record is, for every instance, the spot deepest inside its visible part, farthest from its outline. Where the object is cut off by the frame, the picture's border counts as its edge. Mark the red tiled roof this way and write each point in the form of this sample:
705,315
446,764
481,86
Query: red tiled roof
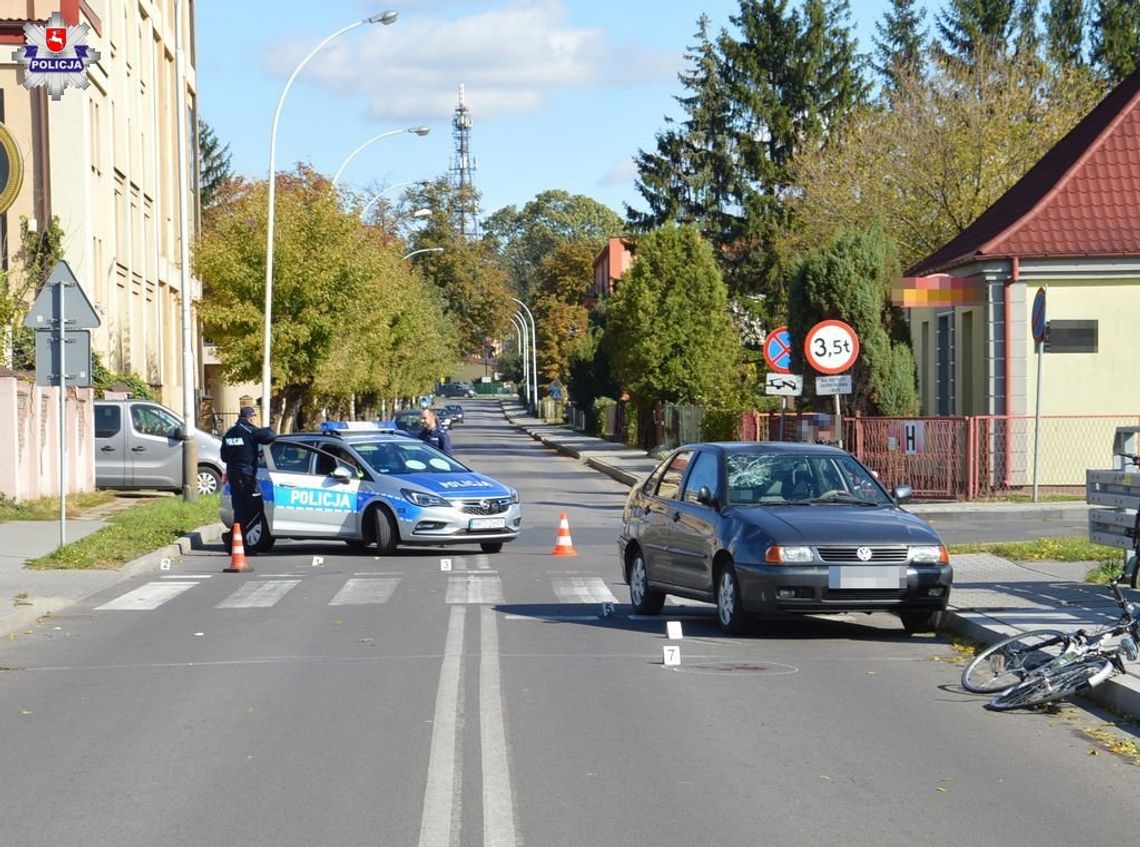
1081,199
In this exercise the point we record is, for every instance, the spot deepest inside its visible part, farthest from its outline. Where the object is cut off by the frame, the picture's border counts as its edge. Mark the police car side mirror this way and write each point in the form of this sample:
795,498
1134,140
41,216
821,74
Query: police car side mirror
341,474
179,434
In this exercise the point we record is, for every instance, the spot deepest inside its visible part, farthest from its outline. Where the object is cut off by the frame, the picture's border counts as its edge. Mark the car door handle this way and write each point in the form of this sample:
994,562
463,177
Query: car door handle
285,485
138,449
676,516
107,449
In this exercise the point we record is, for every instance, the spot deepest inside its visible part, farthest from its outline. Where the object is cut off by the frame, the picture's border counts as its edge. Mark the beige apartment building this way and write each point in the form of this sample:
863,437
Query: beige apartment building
104,161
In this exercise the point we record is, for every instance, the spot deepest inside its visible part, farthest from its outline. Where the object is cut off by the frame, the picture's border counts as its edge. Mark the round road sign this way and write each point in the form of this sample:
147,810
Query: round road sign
778,350
831,347
11,169
1039,316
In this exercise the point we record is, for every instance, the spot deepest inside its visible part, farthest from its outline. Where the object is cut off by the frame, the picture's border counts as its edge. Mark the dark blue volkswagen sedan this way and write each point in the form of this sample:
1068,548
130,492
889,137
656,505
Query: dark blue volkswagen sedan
775,528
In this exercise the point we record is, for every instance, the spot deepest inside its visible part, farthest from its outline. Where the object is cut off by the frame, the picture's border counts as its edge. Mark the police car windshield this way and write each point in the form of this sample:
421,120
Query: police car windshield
401,458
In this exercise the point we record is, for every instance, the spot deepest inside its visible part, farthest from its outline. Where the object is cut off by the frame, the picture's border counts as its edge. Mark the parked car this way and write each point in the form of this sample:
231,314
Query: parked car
379,489
776,528
138,444
456,389
455,412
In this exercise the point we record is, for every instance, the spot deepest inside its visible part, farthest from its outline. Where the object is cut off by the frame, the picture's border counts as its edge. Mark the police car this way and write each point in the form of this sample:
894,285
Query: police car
368,484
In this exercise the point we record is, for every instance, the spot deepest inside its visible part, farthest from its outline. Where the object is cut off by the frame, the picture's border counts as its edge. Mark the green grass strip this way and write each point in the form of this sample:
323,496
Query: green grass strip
47,508
132,533
1069,548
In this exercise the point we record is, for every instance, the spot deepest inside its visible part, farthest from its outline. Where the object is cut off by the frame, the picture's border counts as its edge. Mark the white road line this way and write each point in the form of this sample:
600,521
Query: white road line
498,799
443,777
579,589
146,597
482,561
518,617
188,576
259,595
474,589
361,592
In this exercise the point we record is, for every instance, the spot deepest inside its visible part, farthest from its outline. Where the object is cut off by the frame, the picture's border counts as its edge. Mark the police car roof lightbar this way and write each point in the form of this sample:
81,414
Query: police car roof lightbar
357,426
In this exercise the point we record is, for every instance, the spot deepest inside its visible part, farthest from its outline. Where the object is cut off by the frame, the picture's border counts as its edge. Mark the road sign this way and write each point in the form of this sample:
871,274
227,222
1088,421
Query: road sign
786,385
1039,316
831,347
77,309
11,169
778,350
833,385
76,362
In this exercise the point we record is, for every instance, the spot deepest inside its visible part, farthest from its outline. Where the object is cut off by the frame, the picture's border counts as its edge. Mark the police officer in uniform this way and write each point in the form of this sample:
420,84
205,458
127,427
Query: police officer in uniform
240,447
433,432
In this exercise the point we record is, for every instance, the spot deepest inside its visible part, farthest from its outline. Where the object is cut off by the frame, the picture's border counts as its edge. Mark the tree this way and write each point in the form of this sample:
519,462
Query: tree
213,165
689,177
1064,31
1116,38
337,292
953,144
850,280
525,237
1028,41
970,28
669,331
563,280
899,42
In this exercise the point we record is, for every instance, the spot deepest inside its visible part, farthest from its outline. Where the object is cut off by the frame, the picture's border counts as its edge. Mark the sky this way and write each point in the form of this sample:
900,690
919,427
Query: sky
562,93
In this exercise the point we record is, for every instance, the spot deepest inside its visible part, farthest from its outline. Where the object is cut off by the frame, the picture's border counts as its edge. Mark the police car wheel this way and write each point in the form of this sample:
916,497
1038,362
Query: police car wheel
491,546
387,534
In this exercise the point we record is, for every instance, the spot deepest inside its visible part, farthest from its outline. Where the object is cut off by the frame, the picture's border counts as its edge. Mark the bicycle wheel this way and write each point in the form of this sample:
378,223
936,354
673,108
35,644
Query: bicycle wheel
1003,665
1047,685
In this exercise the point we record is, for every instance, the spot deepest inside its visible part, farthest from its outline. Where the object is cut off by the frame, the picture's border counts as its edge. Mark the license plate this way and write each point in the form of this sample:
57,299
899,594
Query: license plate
866,576
487,523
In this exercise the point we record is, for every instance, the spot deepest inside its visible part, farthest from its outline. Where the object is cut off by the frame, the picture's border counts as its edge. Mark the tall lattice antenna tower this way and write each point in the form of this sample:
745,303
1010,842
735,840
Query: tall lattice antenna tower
463,169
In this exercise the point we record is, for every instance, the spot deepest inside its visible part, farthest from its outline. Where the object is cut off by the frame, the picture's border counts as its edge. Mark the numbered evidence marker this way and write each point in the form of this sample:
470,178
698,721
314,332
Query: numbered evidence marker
671,655
445,564
164,564
607,609
318,561
673,631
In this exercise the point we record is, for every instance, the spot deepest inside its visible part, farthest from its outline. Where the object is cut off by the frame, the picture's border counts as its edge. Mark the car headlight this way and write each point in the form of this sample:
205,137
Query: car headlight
514,497
930,554
783,555
422,498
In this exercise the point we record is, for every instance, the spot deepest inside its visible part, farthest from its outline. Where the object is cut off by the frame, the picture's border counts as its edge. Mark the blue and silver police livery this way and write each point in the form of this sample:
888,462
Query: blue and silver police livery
367,485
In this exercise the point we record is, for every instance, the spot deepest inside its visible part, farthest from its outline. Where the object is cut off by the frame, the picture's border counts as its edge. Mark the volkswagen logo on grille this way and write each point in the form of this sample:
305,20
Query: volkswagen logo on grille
484,504
864,554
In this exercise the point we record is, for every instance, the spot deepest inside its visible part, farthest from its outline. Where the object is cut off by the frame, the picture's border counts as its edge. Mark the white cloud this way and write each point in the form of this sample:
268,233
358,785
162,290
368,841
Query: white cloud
622,172
510,59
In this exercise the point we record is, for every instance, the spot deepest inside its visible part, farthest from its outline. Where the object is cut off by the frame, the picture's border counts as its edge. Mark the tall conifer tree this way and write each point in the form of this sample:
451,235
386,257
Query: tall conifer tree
1064,31
968,27
899,42
1116,38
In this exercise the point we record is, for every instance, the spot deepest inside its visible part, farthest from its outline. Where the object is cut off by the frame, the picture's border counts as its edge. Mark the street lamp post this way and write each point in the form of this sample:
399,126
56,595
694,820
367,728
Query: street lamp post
533,350
385,18
520,325
373,201
416,130
424,250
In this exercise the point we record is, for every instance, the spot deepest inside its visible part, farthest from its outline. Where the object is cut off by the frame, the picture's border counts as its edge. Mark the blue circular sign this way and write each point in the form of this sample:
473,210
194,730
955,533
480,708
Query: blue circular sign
1038,319
778,350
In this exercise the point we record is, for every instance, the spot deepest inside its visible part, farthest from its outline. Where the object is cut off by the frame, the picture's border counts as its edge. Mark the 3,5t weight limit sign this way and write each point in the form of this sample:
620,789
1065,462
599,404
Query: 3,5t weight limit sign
831,347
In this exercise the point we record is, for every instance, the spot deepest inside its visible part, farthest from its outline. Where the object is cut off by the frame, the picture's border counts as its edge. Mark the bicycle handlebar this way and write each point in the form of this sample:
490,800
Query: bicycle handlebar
1133,458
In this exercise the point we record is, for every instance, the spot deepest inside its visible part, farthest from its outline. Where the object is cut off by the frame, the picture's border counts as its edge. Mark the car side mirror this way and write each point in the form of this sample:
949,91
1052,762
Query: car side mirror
179,434
705,497
902,493
341,474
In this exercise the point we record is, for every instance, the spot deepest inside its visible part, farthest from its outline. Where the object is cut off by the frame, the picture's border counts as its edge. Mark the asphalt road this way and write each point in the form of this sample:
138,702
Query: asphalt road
367,701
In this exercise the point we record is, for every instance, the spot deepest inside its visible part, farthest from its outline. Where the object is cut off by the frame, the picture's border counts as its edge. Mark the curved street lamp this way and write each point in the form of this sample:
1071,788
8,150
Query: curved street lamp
533,350
386,18
415,130
380,194
520,325
424,250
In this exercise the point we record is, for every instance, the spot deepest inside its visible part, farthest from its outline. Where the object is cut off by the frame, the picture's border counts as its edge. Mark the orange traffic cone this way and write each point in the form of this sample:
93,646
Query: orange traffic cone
238,563
563,546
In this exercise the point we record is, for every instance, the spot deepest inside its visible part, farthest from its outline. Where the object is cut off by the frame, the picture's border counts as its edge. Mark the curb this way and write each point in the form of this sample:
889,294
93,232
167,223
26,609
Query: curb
37,607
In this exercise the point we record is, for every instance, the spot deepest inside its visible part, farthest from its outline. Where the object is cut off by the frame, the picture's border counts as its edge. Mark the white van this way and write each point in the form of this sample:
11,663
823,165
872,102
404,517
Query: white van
138,444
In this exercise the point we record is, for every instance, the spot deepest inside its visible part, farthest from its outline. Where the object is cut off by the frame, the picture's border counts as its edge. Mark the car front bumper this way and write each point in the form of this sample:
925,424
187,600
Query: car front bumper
812,588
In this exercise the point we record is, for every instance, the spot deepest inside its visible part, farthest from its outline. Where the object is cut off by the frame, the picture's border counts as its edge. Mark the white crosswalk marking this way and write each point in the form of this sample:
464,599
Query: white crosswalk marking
147,597
259,595
360,592
474,589
582,589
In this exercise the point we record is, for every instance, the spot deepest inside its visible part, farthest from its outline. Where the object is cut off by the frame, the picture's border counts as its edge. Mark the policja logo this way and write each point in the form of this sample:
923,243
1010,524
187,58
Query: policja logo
56,56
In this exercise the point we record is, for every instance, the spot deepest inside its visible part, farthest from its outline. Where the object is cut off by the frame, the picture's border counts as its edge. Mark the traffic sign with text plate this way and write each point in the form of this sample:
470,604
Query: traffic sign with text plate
831,347
786,385
833,384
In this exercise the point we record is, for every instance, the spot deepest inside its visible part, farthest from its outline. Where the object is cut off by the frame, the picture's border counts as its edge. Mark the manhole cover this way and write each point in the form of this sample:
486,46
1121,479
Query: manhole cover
739,668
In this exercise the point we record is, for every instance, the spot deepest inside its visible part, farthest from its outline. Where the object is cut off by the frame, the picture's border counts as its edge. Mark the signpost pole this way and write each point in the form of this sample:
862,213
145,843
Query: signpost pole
1037,318
783,411
838,422
62,326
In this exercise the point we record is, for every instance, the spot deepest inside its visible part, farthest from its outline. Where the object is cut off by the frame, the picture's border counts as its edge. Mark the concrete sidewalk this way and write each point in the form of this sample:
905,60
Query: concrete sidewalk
992,597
